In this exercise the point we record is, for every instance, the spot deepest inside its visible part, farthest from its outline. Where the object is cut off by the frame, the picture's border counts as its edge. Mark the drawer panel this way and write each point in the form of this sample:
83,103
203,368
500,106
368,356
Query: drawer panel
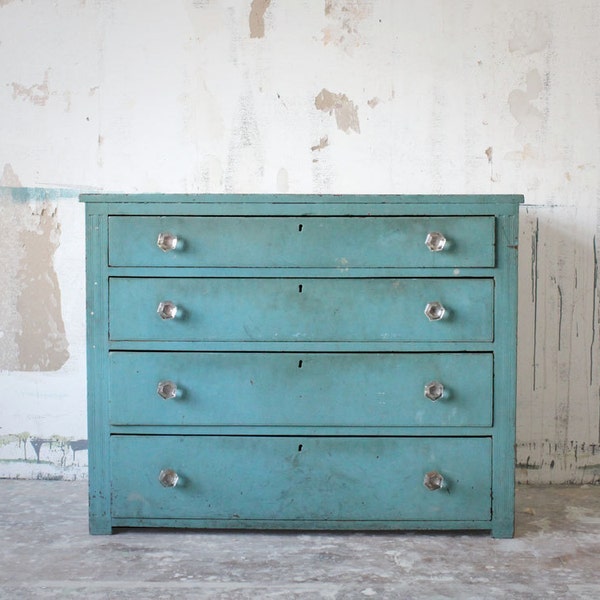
310,389
317,242
297,310
304,478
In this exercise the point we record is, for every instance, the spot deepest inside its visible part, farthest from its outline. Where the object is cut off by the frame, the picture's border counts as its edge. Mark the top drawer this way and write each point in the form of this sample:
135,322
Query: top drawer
309,242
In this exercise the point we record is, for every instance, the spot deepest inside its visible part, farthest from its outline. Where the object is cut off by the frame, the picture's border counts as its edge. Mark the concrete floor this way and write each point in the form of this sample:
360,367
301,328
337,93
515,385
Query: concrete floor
46,552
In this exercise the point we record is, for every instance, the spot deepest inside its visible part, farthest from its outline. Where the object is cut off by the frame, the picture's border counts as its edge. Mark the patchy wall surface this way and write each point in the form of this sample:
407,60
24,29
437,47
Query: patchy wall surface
340,96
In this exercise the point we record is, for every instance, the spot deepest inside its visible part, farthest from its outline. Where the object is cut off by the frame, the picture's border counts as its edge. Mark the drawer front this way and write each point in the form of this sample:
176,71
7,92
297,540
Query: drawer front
297,310
304,478
310,389
318,242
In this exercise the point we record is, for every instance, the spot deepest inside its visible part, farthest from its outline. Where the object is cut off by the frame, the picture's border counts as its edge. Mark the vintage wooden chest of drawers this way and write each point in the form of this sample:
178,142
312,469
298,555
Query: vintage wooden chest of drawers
302,362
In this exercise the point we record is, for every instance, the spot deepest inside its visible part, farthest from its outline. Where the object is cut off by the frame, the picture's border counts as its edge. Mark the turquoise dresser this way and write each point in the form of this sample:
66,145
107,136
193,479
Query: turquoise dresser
302,362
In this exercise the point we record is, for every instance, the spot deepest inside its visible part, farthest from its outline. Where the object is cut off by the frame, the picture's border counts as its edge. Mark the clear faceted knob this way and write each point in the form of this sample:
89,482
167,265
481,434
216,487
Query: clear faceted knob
168,478
434,390
167,310
166,241
435,241
167,389
435,311
433,481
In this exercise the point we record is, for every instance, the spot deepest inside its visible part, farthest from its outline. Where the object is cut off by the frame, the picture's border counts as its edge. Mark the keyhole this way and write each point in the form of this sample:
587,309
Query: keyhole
300,289
300,448
299,364
300,227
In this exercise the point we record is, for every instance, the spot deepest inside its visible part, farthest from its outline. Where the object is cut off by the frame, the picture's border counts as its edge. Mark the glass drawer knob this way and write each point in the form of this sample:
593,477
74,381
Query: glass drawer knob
434,390
166,241
168,478
435,241
167,389
433,481
435,311
167,310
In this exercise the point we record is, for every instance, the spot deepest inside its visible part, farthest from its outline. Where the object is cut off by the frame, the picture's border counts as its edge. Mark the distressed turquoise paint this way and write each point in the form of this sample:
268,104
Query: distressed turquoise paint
301,389
256,444
317,242
279,310
301,478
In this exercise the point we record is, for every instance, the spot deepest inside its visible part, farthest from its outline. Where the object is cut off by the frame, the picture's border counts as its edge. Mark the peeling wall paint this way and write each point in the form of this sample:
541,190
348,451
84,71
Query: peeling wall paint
31,322
559,462
344,19
257,17
42,342
23,456
448,97
345,111
38,93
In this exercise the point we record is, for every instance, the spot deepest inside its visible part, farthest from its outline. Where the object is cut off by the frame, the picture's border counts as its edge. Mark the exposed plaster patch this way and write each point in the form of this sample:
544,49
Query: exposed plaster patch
37,94
258,8
345,17
42,341
530,34
5,2
489,152
323,143
31,321
346,112
373,102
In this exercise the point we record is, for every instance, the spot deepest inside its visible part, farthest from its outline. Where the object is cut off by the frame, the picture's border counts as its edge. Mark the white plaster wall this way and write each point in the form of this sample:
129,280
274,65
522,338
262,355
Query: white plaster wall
435,96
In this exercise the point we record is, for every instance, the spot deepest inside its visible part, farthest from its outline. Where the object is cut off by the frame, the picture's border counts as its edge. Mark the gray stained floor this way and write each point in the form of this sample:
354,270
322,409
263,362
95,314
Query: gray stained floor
46,552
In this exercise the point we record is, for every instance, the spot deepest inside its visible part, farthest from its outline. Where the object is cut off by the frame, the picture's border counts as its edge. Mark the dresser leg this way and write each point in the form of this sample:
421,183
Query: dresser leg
503,529
100,526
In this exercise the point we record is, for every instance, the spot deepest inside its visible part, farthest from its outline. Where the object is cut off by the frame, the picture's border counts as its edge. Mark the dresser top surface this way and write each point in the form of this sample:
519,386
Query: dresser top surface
374,199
